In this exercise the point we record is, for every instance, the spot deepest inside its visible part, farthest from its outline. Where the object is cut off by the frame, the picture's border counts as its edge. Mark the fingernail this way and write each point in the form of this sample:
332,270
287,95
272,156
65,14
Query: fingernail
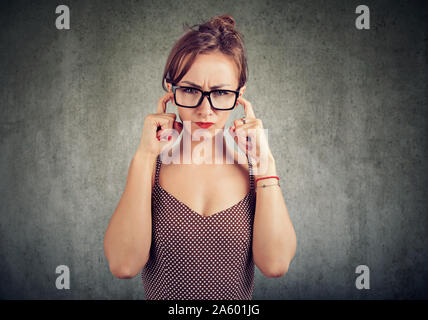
169,138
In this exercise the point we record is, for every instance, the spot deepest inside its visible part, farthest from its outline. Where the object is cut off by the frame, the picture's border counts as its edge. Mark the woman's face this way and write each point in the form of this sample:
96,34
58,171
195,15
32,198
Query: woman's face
207,71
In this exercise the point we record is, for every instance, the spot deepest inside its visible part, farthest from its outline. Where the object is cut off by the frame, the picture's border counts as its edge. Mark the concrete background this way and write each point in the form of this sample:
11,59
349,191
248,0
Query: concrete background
346,111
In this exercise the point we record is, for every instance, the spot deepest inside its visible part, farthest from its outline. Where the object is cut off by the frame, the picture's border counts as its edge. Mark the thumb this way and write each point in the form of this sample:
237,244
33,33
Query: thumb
178,126
233,134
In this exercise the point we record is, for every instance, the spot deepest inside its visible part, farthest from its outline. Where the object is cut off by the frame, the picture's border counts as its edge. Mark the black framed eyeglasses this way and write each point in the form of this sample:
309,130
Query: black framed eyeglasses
190,97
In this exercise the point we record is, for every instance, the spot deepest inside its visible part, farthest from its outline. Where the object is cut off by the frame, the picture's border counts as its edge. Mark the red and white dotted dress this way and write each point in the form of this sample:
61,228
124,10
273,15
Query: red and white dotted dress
193,257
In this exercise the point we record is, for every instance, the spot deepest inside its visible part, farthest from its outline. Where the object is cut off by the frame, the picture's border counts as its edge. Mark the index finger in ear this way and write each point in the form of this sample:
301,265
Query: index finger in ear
248,108
163,101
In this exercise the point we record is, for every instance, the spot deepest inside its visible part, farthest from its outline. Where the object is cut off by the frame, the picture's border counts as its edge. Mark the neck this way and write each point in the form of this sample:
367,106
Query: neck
207,150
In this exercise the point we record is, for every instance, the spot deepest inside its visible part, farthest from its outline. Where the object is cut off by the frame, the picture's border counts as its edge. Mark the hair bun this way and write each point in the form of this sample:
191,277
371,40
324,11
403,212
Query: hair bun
227,19
221,23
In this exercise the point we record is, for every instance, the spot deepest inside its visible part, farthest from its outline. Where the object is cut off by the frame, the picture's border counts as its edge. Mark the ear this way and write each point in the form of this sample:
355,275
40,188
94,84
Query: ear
241,91
169,86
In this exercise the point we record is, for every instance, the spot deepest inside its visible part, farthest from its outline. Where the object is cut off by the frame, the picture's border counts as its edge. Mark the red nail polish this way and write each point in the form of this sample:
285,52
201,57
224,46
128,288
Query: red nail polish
169,138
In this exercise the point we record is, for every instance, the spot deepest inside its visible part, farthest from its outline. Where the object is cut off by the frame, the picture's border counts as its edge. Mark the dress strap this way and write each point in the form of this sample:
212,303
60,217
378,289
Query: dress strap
250,167
158,165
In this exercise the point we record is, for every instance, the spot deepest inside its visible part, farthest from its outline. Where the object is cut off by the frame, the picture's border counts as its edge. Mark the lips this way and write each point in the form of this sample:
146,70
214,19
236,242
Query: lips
204,124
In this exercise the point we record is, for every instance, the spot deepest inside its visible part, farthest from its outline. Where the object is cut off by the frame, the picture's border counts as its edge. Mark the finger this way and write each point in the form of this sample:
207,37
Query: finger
172,133
239,122
240,141
248,108
164,126
178,126
251,139
161,108
162,122
173,116
246,147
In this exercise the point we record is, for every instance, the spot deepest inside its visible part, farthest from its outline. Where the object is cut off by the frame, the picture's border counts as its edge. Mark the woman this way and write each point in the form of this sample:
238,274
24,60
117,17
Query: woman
196,229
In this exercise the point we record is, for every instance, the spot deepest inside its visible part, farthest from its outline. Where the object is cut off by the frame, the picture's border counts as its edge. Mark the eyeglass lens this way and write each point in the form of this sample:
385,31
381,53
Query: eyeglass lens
190,97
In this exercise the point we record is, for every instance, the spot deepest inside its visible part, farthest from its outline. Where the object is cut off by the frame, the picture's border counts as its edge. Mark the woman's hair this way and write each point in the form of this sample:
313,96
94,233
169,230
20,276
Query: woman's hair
218,33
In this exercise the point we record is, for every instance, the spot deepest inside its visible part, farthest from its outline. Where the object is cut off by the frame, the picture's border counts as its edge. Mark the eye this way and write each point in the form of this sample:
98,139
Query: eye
221,92
190,90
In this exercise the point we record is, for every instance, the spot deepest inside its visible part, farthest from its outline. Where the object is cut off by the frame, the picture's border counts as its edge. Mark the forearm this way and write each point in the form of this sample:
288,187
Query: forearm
128,237
274,238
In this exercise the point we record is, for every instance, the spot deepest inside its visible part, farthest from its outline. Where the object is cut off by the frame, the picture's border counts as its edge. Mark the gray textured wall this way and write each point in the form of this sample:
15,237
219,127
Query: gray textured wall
346,112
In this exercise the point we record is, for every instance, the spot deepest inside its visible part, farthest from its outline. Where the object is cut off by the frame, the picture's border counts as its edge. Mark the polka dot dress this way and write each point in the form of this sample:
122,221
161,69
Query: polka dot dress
193,257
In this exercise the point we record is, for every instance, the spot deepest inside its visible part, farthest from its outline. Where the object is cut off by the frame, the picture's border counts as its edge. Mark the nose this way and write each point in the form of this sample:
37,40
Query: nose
204,108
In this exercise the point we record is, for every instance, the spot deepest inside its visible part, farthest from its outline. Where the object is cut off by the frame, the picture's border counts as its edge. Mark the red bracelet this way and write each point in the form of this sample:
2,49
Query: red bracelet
276,177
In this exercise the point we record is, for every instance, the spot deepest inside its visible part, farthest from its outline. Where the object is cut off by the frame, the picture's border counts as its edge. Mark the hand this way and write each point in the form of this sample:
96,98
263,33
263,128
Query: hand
160,129
251,138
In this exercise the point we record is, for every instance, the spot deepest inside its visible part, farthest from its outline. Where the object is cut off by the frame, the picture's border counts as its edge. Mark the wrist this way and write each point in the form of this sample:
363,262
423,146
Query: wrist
267,170
142,154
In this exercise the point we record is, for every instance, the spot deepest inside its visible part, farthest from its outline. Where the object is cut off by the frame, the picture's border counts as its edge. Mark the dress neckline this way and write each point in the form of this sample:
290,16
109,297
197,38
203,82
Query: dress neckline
197,213
218,213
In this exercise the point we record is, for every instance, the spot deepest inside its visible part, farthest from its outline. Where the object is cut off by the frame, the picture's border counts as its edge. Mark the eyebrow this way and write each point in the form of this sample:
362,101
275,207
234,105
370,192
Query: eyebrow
213,87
